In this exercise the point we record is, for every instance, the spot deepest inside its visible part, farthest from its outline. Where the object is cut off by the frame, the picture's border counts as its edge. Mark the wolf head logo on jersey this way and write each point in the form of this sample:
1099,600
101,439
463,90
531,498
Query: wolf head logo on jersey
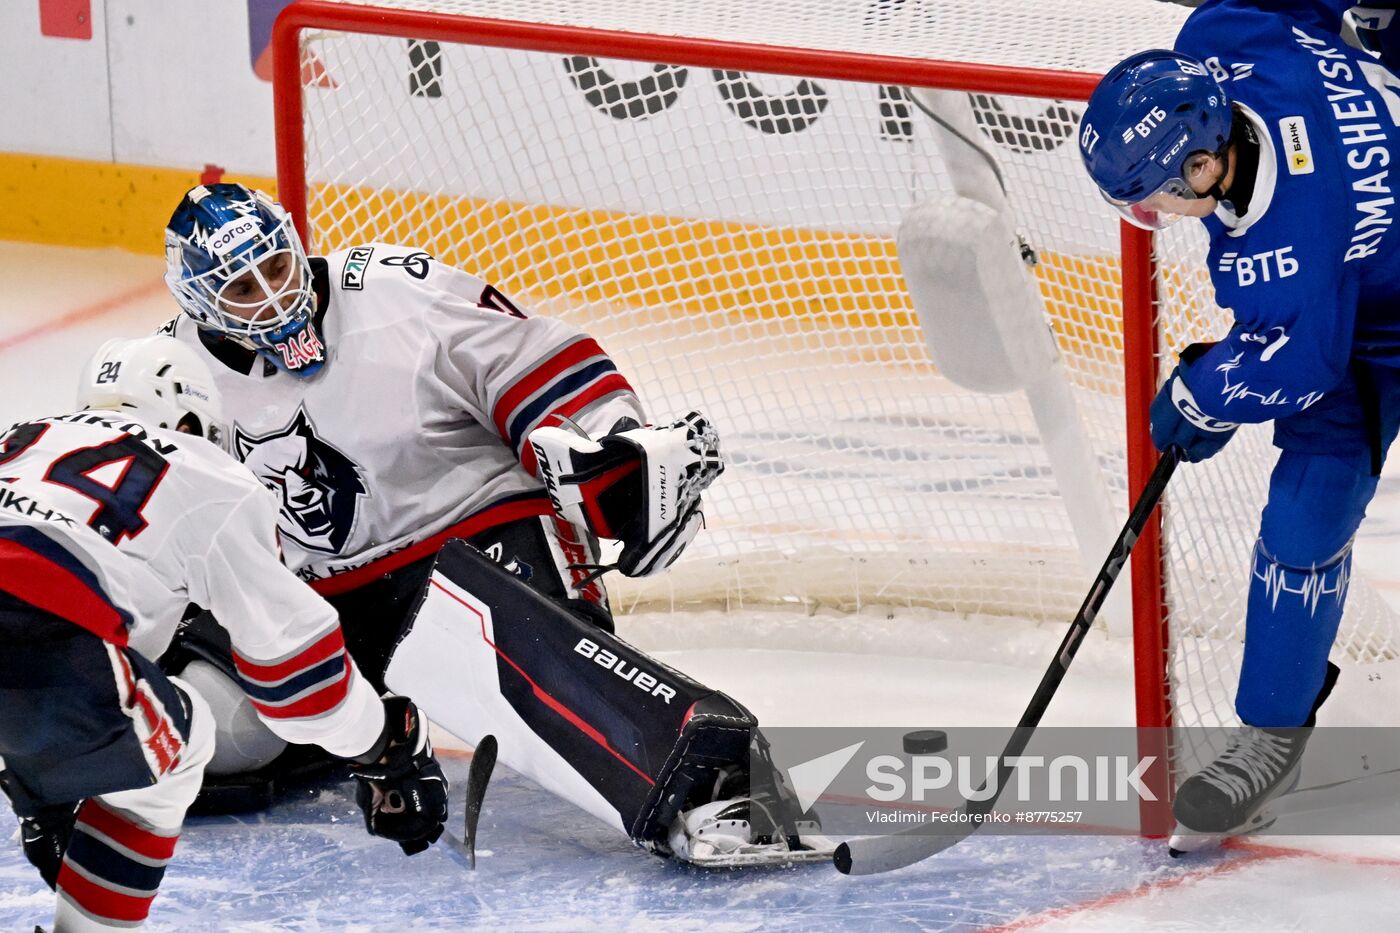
319,486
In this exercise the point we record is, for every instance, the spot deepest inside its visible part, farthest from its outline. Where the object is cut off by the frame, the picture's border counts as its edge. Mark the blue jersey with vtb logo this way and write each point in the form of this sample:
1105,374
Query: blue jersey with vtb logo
1310,269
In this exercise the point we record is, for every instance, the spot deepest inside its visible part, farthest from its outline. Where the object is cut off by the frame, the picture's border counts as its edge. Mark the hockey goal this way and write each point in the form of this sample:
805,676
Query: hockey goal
751,206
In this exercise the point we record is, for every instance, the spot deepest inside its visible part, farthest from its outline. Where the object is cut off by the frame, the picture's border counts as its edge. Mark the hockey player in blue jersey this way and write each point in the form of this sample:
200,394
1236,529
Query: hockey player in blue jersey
1279,137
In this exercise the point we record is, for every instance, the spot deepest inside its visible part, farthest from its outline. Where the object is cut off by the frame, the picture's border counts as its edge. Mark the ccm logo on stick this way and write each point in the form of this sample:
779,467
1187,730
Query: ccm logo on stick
631,673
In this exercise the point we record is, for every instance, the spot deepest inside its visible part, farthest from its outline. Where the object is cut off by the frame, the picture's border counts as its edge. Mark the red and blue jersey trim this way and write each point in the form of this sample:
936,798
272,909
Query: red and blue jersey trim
309,682
44,574
562,384
501,512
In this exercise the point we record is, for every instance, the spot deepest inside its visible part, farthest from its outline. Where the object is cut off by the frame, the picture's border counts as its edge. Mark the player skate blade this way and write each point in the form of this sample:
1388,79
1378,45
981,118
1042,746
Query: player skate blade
814,848
1184,841
765,857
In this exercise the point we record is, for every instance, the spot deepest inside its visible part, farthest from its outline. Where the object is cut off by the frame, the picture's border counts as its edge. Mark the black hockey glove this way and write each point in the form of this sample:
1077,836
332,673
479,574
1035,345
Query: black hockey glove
403,793
45,839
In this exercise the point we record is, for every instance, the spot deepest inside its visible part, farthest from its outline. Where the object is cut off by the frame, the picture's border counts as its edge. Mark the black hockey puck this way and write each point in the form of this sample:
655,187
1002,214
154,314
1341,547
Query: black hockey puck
925,742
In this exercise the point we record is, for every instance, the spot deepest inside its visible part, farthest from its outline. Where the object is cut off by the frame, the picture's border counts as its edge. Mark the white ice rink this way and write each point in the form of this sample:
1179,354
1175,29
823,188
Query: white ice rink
307,865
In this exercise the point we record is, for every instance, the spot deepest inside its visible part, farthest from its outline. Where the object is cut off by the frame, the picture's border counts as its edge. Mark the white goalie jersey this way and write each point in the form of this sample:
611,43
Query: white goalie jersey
118,527
415,428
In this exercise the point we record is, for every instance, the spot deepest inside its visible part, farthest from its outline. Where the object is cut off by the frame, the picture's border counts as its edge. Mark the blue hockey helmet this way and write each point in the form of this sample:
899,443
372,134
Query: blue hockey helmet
1147,117
236,265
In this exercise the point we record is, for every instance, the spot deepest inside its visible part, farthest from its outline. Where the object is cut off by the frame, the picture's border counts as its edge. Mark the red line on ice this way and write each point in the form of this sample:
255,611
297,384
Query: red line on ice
85,313
1142,890
1252,853
1343,858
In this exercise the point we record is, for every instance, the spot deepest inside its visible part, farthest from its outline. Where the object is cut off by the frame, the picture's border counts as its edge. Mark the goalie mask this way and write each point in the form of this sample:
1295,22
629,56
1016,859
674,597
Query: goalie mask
235,264
163,380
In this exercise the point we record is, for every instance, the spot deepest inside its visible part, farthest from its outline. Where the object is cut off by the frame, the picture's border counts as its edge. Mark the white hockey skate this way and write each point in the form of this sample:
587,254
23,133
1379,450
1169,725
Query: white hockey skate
1230,796
725,834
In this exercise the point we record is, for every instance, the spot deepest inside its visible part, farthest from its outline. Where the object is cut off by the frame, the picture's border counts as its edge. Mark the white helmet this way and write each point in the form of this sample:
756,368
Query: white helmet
165,381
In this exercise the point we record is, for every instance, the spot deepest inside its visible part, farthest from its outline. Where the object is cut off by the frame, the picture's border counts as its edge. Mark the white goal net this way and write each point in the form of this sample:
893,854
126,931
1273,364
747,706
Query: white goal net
720,192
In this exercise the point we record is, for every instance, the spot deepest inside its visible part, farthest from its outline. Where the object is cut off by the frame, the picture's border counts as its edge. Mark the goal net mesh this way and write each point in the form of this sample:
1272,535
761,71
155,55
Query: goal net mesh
729,235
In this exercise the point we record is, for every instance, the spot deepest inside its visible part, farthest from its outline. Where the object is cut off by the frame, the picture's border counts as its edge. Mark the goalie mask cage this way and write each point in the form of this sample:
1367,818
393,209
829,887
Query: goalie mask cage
714,191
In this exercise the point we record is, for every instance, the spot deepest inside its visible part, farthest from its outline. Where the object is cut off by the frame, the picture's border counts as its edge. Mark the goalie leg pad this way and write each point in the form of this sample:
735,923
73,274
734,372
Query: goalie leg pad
573,707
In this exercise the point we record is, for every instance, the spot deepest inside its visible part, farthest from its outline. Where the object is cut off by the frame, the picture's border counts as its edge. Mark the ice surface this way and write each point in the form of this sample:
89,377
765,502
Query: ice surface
307,864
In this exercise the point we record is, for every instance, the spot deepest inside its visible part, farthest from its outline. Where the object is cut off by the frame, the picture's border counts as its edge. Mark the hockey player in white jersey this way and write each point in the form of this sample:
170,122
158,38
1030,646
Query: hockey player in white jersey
396,404
112,521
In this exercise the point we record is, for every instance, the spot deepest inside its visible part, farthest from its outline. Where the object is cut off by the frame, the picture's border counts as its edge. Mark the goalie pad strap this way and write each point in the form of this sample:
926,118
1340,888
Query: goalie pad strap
716,734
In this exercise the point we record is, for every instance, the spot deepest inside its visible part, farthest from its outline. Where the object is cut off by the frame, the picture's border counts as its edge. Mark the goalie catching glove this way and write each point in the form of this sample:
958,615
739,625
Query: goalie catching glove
640,486
402,791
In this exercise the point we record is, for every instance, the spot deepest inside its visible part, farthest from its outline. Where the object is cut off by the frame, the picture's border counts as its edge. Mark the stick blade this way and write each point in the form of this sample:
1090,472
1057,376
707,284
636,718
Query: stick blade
478,776
872,855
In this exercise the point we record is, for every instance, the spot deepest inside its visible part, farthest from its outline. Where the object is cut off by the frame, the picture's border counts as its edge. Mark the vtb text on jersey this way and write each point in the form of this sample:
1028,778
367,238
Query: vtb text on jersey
1310,268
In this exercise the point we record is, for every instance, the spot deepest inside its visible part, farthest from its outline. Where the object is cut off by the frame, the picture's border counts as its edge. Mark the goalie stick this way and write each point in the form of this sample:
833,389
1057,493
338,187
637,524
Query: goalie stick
869,855
483,761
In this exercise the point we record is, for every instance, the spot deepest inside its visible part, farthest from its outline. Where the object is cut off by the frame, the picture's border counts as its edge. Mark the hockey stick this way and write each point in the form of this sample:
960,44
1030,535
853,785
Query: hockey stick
483,761
869,855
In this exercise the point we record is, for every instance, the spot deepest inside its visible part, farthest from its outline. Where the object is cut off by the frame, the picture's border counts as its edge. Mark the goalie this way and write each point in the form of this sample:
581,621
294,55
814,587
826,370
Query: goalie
396,404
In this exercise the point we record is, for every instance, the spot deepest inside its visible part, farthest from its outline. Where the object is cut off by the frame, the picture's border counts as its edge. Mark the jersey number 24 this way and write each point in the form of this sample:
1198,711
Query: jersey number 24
118,514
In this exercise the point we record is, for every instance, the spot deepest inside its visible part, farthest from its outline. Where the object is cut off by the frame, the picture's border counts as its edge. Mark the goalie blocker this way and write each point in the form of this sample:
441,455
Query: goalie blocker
575,709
